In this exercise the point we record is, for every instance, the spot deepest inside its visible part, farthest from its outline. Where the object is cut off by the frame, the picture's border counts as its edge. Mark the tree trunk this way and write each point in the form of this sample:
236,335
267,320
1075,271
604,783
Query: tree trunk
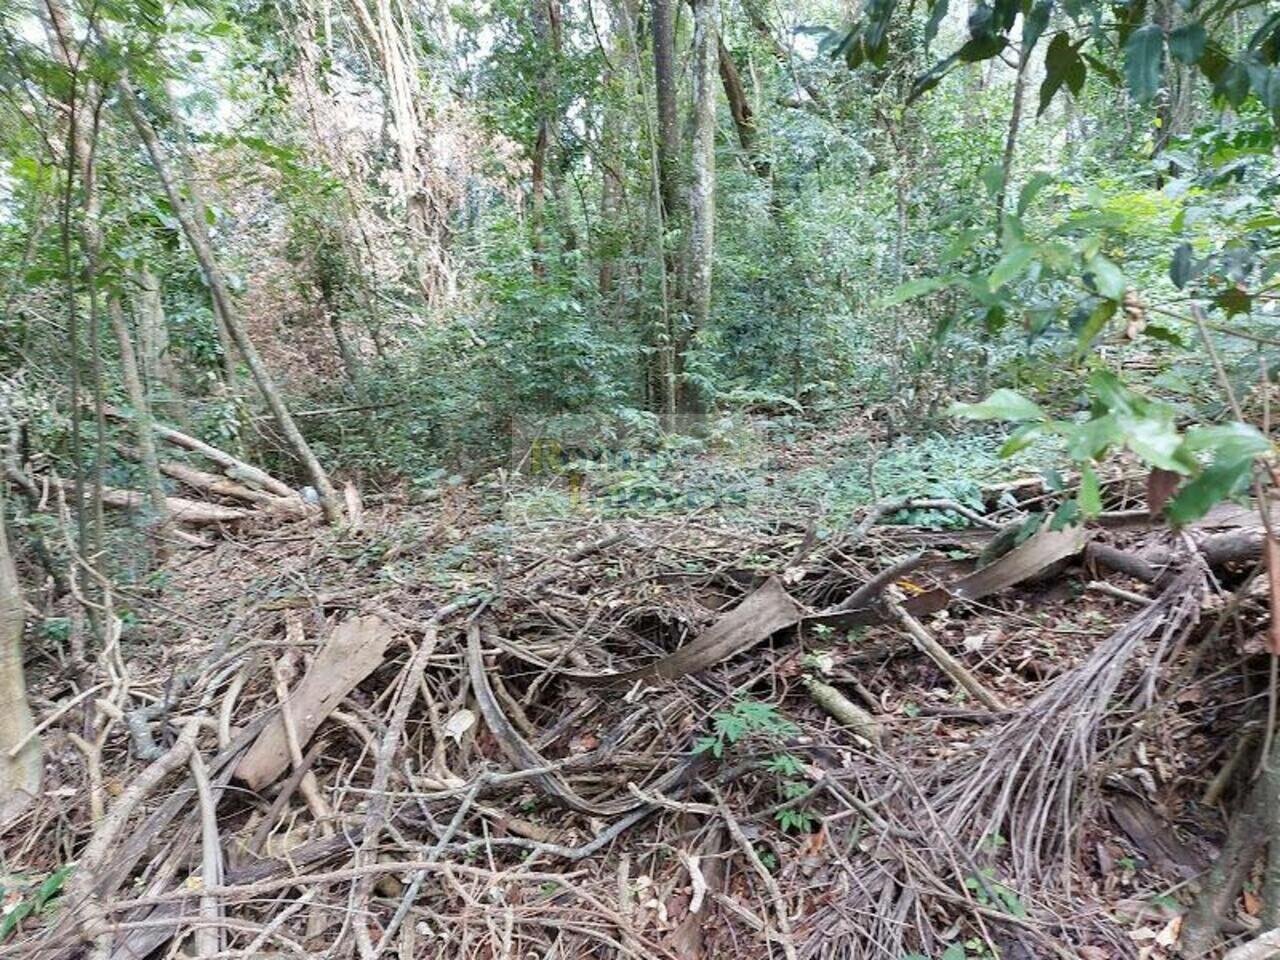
155,357
144,435
230,370
545,15
20,775
194,230
744,120
396,59
702,185
1011,136
664,74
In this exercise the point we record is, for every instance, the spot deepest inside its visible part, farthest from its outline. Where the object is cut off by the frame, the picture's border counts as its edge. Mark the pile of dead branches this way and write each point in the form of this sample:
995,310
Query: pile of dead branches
649,739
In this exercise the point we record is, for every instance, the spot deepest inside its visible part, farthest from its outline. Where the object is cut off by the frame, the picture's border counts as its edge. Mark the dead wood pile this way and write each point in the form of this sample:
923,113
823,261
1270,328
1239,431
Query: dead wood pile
651,738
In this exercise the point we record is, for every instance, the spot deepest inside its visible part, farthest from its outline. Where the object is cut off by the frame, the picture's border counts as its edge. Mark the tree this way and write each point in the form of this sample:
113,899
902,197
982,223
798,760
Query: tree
21,765
194,230
662,14
702,184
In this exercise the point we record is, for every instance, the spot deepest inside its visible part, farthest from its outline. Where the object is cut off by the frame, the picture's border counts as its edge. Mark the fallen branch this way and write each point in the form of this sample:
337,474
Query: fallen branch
949,665
233,467
219,486
1262,947
845,712
377,813
80,890
194,512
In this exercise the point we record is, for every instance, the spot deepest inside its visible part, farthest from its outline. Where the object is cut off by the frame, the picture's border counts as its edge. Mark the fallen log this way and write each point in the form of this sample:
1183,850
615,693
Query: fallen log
181,509
233,467
220,486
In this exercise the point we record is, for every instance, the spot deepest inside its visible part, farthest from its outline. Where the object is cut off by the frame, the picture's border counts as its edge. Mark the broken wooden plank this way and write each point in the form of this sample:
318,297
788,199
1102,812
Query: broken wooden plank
1021,563
757,618
352,652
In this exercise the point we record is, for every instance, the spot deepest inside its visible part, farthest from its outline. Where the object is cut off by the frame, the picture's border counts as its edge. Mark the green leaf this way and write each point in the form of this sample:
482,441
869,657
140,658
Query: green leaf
937,13
1010,266
1062,65
981,48
1031,188
1114,396
1094,325
1066,514
10,921
1090,496
1142,62
992,178
1232,84
1216,483
961,244
916,288
1106,278
954,952
1104,69
1233,301
1091,439
1158,331
1230,442
1180,266
1155,439
51,885
1187,43
1021,438
1003,404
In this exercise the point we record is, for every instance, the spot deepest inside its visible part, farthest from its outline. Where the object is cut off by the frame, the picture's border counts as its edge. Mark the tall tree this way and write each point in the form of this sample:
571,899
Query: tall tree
143,429
662,14
155,355
547,29
702,181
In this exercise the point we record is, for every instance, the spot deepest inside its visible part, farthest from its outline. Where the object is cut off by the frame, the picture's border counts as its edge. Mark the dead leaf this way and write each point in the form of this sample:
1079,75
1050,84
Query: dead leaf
1160,487
1252,903
1169,935
458,724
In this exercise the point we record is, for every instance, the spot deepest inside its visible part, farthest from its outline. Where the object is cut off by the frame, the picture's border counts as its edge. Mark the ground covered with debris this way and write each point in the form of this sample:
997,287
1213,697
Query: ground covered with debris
658,737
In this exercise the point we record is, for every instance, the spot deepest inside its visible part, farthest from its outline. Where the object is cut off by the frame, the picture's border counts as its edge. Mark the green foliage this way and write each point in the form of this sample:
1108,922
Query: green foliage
31,900
991,893
743,719
1120,417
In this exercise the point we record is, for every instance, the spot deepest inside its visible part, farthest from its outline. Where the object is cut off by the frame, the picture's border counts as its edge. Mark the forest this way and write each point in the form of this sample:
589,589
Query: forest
504,479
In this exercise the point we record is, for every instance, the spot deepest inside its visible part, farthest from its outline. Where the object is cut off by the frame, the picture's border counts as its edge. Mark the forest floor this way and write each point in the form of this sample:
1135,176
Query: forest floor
678,733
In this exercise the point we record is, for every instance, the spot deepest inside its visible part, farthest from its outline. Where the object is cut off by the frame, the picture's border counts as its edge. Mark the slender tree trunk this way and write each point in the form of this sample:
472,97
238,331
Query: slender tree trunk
545,15
744,120
230,371
144,434
194,230
657,334
664,74
1011,137
610,209
702,186
159,370
20,775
